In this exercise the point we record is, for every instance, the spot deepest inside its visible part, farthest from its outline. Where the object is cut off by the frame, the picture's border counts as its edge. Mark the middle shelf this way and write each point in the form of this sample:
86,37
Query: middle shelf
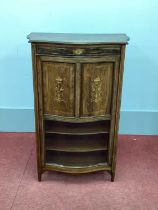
76,159
73,143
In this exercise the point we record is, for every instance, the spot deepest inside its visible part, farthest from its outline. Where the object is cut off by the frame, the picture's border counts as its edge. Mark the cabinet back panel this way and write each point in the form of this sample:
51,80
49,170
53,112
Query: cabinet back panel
58,88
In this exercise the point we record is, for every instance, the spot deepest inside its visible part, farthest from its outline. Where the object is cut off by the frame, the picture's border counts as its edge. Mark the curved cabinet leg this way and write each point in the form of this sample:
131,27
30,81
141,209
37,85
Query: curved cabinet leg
39,176
112,176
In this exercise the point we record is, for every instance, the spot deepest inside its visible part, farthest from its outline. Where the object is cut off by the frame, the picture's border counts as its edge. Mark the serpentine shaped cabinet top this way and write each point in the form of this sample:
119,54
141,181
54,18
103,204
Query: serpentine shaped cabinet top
77,93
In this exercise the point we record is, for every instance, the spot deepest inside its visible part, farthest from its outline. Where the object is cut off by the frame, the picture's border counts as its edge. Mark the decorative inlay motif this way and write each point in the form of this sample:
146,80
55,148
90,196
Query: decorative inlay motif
96,90
59,89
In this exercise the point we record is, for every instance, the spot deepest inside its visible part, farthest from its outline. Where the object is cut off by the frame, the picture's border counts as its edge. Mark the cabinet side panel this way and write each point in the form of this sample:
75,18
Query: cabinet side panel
113,111
59,88
117,114
36,110
97,84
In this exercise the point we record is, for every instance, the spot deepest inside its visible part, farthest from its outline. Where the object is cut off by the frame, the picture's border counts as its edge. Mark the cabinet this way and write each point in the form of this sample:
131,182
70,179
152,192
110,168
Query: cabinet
77,91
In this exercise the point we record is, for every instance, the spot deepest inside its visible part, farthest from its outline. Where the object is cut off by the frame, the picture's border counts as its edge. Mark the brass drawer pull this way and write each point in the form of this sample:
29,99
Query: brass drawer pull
78,51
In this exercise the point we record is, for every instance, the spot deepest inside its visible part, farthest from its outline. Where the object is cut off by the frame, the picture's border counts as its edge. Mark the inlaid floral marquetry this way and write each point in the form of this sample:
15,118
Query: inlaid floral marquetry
59,90
96,90
97,87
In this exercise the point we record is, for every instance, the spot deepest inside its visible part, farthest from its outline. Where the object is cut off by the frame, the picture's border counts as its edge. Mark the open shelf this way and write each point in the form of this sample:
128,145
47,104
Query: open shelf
76,159
70,143
88,128
76,147
77,169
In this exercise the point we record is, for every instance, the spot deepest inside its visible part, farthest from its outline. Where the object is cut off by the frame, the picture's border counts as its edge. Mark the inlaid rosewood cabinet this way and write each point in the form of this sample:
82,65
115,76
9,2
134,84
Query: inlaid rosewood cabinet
77,92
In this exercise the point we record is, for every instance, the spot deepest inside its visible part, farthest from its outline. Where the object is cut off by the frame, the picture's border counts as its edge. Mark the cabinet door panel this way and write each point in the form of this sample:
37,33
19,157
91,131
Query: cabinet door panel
96,88
58,88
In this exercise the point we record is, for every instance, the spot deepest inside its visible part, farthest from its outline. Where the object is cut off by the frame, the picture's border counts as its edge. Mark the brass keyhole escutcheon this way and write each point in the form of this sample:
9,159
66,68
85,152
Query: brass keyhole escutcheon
78,51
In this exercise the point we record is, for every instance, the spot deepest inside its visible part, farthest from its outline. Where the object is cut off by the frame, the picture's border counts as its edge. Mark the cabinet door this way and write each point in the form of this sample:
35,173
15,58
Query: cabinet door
58,88
97,88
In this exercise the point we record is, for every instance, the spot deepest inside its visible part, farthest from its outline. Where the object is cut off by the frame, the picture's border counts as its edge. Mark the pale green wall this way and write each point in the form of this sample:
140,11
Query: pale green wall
137,18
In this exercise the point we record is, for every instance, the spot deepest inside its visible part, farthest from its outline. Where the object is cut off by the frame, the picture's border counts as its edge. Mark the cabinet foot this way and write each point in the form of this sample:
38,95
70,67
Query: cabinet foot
112,176
39,177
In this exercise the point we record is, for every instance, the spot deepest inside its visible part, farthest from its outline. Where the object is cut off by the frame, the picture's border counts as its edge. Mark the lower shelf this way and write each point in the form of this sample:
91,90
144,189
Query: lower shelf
73,159
77,169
